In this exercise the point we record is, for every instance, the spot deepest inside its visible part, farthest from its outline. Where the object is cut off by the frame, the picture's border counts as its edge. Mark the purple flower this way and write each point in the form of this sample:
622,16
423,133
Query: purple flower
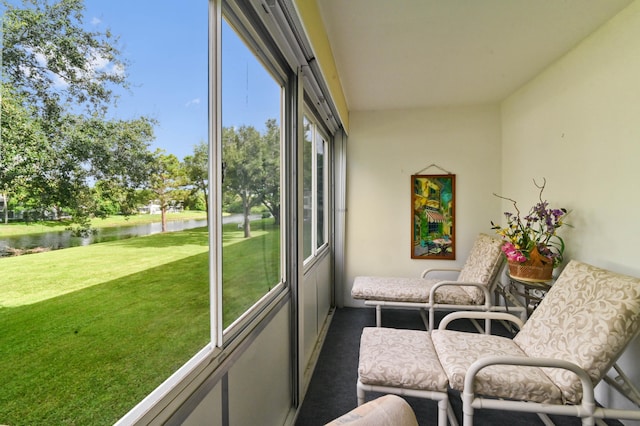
535,229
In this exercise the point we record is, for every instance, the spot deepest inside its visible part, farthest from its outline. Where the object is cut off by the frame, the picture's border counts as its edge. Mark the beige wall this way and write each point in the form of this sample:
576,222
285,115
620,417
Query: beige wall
384,149
578,125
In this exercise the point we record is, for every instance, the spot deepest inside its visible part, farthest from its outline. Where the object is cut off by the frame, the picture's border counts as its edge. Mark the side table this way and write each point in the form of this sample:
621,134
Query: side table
532,291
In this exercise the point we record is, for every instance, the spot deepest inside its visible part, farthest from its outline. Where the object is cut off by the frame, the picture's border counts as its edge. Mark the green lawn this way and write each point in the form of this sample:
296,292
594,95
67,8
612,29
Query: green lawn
87,332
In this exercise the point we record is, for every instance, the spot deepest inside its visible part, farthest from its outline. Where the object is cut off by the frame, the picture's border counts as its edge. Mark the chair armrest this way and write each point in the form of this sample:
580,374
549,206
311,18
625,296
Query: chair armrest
483,287
428,271
479,315
588,400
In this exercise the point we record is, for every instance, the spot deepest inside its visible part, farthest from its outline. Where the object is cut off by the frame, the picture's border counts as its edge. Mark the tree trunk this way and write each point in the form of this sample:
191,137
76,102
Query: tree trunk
247,225
6,208
206,203
163,214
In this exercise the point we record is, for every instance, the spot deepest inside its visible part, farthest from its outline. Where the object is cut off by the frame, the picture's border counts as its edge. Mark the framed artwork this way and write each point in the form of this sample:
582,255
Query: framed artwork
433,218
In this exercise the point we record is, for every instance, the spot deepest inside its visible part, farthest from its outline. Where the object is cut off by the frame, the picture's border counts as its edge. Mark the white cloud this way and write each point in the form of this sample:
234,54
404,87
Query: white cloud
95,21
96,63
195,101
100,63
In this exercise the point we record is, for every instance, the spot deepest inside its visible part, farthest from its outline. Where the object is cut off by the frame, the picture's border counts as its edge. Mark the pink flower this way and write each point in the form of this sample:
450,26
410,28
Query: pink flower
512,253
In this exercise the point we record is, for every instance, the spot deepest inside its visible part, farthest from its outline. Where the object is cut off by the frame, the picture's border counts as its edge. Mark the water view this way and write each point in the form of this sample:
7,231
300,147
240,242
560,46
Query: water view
64,239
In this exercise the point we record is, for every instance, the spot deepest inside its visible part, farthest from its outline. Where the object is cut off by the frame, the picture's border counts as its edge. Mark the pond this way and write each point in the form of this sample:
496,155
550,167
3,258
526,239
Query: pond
64,239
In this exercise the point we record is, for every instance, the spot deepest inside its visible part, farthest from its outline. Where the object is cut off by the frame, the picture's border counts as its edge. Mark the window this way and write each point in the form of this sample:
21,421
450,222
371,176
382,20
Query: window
88,338
321,179
307,188
252,260
88,331
315,176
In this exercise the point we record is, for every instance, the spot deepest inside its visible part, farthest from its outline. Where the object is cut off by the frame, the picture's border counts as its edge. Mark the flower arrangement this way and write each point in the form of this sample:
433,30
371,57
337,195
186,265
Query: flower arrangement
534,235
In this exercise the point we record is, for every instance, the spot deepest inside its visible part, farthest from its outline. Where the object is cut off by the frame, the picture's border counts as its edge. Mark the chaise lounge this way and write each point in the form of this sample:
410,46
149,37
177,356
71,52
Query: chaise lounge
550,367
472,290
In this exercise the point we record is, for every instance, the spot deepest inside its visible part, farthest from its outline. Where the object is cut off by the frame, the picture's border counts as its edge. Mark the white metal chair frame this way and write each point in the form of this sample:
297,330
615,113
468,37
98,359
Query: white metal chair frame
587,410
430,305
619,309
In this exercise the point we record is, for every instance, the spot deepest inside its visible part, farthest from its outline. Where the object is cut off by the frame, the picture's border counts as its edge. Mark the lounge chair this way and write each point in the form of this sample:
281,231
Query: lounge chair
550,367
472,290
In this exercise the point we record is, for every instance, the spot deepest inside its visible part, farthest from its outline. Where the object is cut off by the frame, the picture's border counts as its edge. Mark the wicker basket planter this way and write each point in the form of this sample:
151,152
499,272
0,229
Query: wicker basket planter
536,269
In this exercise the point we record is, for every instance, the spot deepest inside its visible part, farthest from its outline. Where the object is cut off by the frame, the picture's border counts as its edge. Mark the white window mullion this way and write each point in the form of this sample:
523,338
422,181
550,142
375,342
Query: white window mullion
314,191
215,170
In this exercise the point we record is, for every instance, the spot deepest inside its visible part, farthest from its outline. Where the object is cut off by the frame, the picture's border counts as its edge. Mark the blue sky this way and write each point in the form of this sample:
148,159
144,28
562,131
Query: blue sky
166,44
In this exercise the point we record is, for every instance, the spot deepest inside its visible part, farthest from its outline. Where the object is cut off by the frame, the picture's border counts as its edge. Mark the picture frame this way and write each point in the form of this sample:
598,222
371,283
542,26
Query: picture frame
433,217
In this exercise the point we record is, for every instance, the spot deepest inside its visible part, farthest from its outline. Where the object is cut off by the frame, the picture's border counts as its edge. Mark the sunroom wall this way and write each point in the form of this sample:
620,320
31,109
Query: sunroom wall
576,124
384,149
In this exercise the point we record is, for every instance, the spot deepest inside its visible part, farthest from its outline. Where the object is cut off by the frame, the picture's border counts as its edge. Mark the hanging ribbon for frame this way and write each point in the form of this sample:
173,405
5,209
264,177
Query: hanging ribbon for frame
433,165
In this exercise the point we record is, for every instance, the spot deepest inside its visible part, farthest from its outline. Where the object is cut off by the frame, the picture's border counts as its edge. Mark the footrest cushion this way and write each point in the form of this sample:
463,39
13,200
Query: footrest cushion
400,358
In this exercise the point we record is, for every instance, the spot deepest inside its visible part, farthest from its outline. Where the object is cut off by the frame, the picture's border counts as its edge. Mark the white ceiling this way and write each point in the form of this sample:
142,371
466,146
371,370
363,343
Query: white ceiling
394,54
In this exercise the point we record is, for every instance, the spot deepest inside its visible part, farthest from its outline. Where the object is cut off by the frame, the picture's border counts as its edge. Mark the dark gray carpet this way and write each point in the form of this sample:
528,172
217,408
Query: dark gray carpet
332,391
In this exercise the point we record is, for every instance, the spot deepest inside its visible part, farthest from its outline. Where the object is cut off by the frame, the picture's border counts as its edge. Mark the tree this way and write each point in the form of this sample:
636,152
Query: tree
166,178
244,153
270,190
23,147
119,157
88,150
53,61
197,171
62,76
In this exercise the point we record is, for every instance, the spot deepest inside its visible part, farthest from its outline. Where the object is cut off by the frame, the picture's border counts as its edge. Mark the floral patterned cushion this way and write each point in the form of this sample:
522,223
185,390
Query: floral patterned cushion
588,317
482,265
406,290
458,350
387,410
400,358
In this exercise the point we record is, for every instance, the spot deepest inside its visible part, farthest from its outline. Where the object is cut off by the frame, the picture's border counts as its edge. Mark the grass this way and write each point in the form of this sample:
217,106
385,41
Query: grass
21,228
250,268
87,332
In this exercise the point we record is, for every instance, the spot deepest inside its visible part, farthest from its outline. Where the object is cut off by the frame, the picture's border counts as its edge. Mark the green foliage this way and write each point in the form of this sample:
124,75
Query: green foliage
270,190
197,173
166,179
53,61
194,201
57,86
252,168
23,146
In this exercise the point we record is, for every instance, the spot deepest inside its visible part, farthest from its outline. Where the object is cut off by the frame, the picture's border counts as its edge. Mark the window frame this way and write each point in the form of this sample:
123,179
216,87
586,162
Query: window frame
287,59
257,41
217,353
318,131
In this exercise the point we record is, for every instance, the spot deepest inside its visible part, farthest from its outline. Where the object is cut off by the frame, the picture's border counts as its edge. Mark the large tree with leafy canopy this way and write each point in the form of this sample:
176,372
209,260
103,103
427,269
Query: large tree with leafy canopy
166,179
63,76
243,154
270,189
53,61
22,147
252,168
197,171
